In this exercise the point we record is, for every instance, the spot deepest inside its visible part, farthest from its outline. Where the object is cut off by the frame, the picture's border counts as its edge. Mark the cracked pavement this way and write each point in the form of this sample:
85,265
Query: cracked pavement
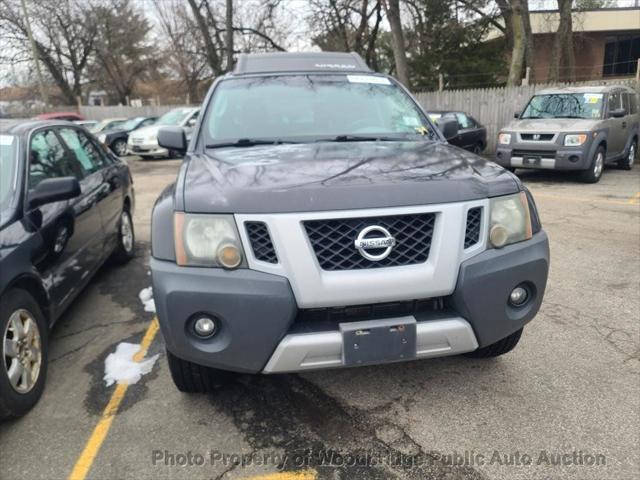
572,384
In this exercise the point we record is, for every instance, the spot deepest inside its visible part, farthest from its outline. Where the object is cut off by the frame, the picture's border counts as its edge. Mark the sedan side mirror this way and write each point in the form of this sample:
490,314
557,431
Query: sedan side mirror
618,113
54,190
448,127
173,138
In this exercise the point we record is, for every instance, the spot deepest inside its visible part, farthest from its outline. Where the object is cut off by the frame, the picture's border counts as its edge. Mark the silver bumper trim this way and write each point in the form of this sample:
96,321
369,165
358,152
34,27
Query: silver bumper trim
544,162
310,351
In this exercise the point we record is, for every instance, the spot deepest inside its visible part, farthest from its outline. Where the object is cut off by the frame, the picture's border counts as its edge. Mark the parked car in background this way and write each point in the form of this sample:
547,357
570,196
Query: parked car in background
70,116
107,124
86,124
116,138
471,135
144,141
65,207
581,128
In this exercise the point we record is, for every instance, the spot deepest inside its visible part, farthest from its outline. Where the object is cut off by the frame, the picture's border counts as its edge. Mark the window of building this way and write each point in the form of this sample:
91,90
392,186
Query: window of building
621,54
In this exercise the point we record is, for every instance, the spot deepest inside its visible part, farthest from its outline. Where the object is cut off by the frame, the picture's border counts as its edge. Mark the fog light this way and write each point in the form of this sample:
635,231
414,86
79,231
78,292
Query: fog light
498,236
204,327
518,296
229,256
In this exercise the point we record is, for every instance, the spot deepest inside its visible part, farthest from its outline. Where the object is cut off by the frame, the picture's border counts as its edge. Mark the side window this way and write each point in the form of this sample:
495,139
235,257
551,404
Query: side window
83,149
633,103
615,101
463,120
48,159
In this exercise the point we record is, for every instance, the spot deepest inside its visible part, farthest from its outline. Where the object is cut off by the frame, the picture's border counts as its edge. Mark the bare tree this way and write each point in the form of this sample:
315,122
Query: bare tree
229,33
63,36
562,49
392,9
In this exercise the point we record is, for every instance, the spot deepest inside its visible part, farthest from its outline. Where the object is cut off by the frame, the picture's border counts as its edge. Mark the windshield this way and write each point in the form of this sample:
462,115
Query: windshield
131,123
565,105
174,117
8,162
311,108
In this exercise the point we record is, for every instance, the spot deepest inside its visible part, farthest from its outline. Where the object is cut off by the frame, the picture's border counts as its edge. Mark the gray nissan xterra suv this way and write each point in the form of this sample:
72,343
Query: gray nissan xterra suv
321,220
580,128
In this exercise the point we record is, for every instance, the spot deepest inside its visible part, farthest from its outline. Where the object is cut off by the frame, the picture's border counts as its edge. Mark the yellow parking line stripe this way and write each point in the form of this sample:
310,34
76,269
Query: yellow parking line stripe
92,447
635,199
584,199
304,475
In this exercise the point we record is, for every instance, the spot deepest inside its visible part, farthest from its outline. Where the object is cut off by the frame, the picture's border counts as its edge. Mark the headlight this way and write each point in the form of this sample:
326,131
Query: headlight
575,140
207,241
510,220
504,138
102,138
152,139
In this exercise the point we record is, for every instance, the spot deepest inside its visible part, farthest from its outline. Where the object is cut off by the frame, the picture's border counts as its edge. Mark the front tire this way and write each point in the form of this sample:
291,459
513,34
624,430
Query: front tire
629,160
594,172
125,249
119,147
23,360
499,348
193,378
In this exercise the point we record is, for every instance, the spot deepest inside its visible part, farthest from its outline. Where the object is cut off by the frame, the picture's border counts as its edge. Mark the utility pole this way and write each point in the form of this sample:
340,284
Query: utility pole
229,34
34,53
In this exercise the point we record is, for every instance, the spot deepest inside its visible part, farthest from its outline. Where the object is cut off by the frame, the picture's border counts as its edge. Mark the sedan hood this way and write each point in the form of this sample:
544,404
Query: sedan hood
337,176
145,132
552,125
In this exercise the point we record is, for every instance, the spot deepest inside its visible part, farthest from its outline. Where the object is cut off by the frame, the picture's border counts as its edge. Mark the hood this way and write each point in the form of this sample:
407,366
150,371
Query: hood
552,125
147,131
337,176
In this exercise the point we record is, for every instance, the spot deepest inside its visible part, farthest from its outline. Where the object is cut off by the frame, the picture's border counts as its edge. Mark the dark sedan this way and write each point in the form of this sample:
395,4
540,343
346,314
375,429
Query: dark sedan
65,207
116,139
471,135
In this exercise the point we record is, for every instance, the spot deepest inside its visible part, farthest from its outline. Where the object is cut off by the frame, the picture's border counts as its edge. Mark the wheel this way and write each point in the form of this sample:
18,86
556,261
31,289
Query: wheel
172,154
23,365
119,147
478,148
627,162
499,348
126,238
193,378
594,172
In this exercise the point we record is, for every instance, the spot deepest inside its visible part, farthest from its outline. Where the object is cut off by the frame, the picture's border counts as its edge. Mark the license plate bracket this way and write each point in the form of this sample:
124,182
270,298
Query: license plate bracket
378,341
532,160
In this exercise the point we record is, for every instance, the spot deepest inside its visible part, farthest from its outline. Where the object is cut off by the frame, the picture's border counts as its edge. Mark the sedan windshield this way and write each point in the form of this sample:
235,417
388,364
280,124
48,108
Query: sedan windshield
565,105
8,162
131,123
311,108
174,117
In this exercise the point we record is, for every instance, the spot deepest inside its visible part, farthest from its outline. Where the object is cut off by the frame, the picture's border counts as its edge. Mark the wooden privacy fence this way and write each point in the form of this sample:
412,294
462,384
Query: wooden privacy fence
492,107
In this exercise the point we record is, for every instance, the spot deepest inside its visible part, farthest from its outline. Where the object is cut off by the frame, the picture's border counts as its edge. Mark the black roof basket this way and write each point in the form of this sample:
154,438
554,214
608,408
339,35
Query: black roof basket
300,62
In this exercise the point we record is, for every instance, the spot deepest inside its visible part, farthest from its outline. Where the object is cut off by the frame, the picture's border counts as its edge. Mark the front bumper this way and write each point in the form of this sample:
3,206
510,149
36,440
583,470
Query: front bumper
257,312
144,149
545,156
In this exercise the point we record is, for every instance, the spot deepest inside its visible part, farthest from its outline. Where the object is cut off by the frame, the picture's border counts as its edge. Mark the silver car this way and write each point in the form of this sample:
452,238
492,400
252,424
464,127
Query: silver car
582,128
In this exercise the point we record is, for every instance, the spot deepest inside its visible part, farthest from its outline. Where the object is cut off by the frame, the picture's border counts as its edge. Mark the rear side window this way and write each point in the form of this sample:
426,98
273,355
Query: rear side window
83,149
48,159
615,101
632,102
464,121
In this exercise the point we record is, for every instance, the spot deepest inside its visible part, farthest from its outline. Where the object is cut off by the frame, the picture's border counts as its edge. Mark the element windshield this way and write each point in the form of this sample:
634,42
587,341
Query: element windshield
306,108
565,105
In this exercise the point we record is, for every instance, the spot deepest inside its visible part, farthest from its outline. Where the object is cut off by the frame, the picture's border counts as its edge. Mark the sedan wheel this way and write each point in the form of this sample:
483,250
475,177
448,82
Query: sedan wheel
126,239
119,147
22,351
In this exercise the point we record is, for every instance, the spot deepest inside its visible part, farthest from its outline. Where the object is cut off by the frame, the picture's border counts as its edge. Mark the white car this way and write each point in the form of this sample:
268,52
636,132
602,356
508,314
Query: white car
107,124
144,141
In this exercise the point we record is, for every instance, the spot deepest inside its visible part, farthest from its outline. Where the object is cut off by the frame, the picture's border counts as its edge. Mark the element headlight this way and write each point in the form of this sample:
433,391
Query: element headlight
575,140
207,241
504,138
510,220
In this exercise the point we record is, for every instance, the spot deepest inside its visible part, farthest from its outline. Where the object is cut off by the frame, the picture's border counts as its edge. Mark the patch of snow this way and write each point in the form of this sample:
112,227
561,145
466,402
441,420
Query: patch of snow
146,297
120,366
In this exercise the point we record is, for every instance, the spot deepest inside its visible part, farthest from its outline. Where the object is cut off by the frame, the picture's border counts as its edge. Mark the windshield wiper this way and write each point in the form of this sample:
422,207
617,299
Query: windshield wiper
248,142
569,116
363,138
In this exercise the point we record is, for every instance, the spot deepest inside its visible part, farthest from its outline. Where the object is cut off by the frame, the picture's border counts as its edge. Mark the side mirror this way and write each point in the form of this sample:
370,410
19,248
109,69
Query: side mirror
191,123
448,127
53,190
173,138
618,113
516,115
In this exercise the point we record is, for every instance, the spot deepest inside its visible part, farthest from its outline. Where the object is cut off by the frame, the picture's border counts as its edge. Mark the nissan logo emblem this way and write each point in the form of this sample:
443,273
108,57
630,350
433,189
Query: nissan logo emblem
383,240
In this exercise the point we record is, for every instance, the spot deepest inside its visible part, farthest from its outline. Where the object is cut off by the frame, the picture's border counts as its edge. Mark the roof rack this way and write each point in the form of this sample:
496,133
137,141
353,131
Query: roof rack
300,62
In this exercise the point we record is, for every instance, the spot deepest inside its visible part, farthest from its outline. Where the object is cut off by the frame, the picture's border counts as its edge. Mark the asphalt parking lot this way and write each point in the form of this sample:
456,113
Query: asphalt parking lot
569,392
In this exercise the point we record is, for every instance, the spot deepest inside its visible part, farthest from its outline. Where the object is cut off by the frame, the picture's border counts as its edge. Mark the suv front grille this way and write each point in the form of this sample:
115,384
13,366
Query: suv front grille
261,242
537,137
534,153
474,222
333,241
